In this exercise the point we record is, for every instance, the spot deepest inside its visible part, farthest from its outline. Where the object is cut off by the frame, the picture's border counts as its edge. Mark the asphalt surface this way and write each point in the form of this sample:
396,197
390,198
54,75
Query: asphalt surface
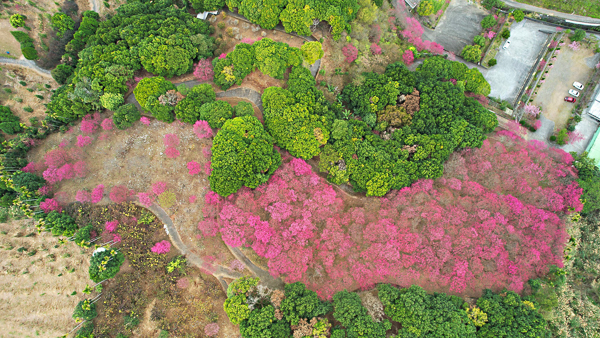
515,62
561,15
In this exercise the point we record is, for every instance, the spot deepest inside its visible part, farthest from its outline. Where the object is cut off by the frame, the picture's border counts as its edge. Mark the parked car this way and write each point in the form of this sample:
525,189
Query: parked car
506,45
574,92
570,99
578,85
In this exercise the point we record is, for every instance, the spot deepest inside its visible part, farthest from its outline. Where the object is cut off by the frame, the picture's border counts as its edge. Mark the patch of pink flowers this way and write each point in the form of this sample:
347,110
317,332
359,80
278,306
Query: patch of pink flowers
159,187
194,168
83,196
50,205
172,152
161,247
211,329
98,193
83,141
146,199
494,220
145,121
108,124
202,129
111,226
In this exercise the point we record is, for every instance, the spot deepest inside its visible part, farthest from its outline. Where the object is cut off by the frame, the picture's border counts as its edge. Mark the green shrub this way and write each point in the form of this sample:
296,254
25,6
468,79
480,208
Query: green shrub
518,15
471,53
86,330
578,35
492,62
488,22
189,109
105,264
22,37
85,310
17,20
8,90
425,8
23,83
553,138
28,109
505,33
562,137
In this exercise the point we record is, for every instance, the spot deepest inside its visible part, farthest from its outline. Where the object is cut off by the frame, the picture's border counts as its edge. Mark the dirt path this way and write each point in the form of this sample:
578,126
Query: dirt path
217,271
25,63
95,6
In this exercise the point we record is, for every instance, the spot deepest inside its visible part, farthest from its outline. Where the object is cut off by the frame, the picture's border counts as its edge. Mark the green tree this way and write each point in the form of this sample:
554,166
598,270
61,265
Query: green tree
9,123
216,113
27,182
241,285
471,53
518,15
17,20
350,312
312,51
105,264
168,57
298,303
188,110
126,115
505,33
425,8
242,155
297,130
244,109
61,23
297,17
151,87
488,22
578,35
509,316
479,40
111,101
425,315
61,73
60,224
237,309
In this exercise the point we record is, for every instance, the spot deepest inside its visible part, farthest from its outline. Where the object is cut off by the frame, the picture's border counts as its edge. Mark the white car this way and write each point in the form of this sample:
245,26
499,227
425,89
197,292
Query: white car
506,45
578,85
574,92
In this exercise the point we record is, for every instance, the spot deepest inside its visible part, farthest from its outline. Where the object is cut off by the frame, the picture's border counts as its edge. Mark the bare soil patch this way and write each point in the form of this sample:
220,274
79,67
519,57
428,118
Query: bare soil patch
10,78
570,66
37,283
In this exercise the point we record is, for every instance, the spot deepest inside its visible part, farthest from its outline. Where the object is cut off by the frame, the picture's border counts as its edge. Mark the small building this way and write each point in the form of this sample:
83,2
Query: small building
593,148
413,3
204,15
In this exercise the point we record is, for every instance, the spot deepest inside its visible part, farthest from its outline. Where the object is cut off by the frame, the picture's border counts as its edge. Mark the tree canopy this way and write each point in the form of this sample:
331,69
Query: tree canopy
242,155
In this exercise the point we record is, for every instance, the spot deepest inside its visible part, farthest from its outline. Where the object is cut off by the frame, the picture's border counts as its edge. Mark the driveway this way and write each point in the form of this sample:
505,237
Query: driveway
458,26
514,63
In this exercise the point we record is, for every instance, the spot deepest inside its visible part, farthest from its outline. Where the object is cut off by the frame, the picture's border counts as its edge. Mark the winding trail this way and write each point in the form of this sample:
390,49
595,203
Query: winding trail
218,271
25,63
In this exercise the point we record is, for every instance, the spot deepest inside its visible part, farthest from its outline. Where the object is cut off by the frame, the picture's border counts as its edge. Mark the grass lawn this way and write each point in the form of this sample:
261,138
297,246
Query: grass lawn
589,8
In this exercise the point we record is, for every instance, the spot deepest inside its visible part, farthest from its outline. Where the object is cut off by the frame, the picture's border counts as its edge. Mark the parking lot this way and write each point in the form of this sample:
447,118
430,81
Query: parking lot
570,66
515,62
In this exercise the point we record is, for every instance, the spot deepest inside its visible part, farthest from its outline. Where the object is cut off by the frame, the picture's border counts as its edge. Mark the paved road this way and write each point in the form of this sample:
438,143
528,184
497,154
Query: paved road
25,63
550,12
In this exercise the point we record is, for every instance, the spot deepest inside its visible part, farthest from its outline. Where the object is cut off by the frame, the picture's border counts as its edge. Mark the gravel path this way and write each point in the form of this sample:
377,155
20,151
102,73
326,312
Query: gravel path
25,63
